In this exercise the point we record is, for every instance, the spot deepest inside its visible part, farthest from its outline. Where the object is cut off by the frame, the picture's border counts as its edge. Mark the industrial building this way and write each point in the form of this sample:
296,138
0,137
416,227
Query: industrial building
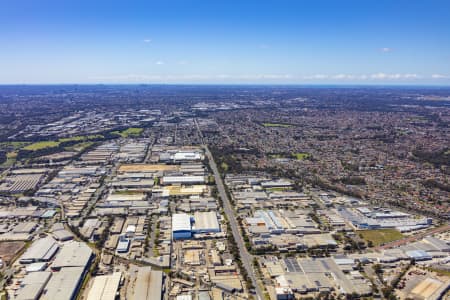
73,254
32,285
365,218
181,226
105,287
311,275
149,284
205,222
41,250
123,245
64,285
167,180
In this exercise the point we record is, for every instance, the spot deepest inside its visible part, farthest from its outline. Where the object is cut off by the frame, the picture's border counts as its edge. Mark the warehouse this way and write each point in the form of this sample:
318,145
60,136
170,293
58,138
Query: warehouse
418,255
206,222
42,250
148,284
64,285
105,287
73,254
123,245
167,180
181,226
32,285
186,156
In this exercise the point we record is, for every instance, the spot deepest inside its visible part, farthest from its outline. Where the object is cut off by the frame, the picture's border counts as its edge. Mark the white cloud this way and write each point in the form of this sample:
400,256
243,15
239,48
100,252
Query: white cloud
362,77
159,62
316,76
386,49
137,78
440,76
384,76
147,40
268,78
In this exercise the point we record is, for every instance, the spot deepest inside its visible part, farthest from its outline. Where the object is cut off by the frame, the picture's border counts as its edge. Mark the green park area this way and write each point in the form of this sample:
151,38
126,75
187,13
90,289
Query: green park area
276,125
380,236
132,131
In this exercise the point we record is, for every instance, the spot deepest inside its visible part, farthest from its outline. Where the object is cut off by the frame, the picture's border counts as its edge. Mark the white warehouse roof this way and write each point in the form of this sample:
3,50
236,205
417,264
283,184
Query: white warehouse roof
206,222
63,285
73,254
187,156
41,250
105,287
183,179
181,222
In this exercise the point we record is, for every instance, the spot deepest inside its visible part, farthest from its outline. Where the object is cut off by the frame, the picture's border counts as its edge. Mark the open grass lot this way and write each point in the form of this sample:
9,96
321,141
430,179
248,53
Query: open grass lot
301,155
276,125
50,144
10,159
41,145
132,131
380,236
81,138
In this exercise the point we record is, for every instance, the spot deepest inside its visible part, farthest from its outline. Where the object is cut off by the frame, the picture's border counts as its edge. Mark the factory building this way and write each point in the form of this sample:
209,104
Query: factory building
149,284
42,250
168,180
123,245
64,285
73,254
32,286
105,287
181,226
205,222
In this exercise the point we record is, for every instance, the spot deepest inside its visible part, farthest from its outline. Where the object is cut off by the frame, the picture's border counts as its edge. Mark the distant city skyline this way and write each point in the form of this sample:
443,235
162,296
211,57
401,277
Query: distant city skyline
379,42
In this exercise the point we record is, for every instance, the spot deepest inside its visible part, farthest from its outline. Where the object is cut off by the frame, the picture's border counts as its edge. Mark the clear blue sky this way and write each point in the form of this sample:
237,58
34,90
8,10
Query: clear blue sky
188,41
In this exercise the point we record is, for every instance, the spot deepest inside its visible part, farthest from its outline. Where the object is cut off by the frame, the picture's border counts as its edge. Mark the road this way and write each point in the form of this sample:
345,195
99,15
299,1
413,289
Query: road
246,257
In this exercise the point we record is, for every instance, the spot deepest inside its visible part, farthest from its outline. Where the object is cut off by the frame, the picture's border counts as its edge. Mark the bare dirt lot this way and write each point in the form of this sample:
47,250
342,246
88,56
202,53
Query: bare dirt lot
8,250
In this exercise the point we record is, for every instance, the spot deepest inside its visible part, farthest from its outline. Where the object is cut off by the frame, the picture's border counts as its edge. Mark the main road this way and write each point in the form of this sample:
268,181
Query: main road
246,257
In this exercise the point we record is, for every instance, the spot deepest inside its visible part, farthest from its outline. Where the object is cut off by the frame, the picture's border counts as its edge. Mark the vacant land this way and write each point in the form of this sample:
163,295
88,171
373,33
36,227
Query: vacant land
276,125
380,236
51,144
8,250
81,138
132,131
41,145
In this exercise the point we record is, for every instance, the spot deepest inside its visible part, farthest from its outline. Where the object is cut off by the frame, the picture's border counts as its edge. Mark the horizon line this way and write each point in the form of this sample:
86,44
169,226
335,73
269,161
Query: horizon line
436,85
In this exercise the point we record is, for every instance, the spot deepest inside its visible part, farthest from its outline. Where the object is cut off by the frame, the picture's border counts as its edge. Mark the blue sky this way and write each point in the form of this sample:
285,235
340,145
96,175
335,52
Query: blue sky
188,41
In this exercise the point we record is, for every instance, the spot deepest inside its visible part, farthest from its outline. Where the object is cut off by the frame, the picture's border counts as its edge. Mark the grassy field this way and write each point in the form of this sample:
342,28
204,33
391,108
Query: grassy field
132,131
276,125
50,144
41,145
301,155
380,236
81,138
